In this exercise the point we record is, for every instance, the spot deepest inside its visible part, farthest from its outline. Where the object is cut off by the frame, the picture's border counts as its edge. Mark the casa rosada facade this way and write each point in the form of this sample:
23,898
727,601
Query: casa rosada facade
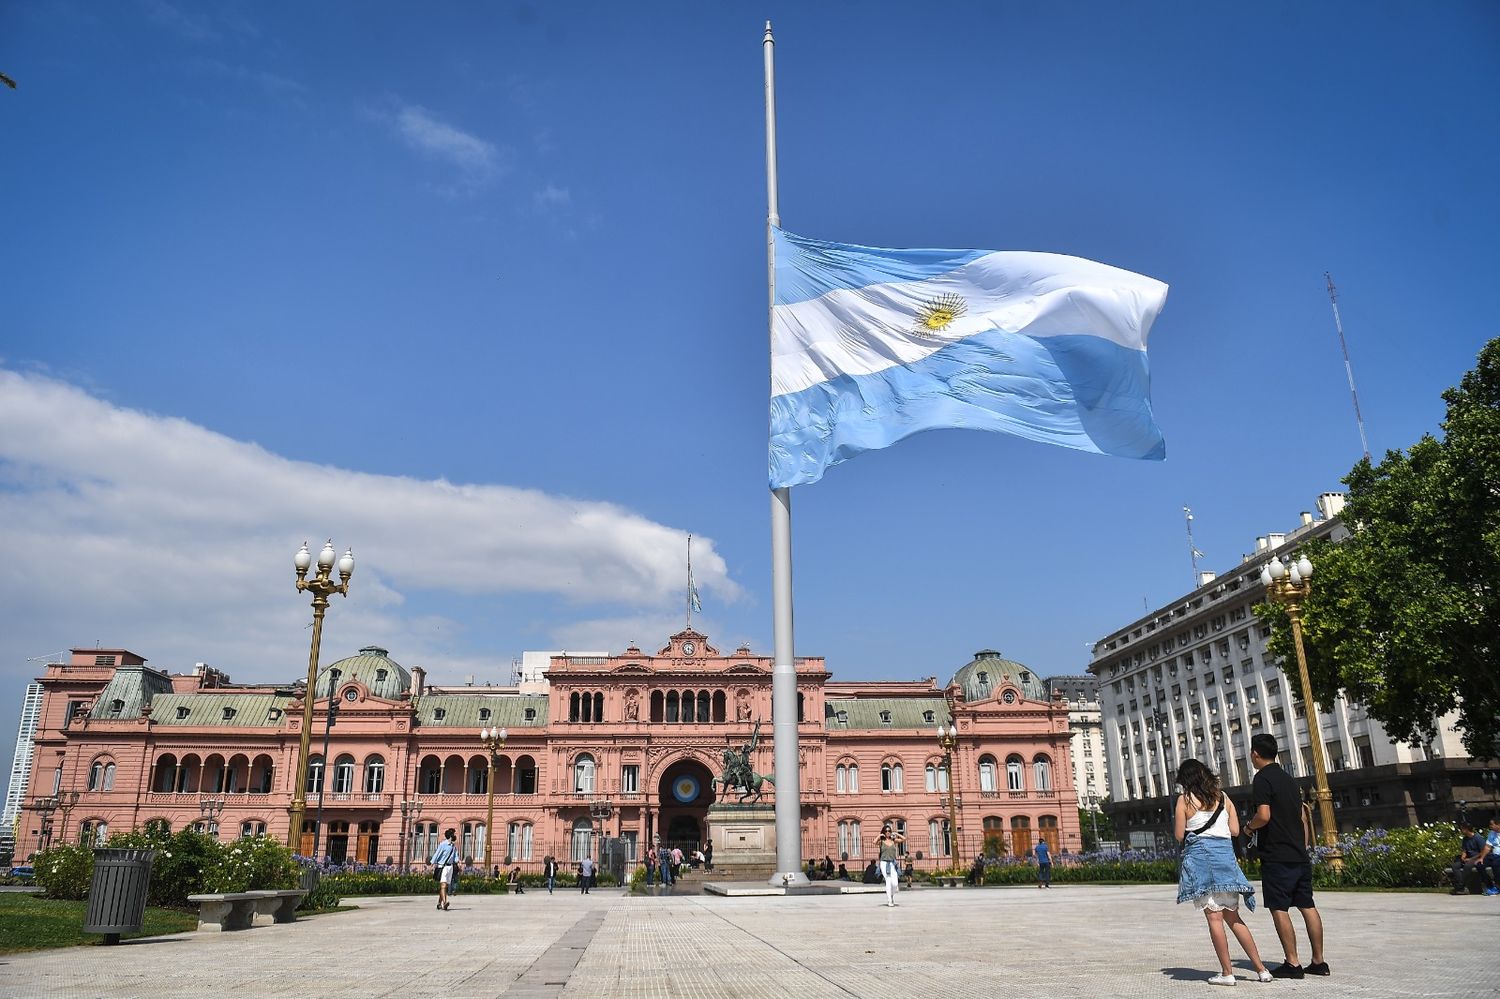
643,733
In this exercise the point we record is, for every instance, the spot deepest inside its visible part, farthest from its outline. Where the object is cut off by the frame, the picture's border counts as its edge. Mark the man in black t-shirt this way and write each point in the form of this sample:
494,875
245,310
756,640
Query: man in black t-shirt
1285,868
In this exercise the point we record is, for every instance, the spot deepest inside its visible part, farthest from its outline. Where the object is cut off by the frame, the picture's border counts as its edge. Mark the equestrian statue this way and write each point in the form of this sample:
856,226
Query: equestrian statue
738,772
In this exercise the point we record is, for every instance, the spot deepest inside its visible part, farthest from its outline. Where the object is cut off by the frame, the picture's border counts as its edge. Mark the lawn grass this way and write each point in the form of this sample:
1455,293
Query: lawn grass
28,922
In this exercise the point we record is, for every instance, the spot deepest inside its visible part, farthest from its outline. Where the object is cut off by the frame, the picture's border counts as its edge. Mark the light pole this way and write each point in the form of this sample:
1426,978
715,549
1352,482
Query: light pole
493,740
210,808
332,717
600,812
1290,586
411,810
44,806
322,587
948,740
65,803
1093,803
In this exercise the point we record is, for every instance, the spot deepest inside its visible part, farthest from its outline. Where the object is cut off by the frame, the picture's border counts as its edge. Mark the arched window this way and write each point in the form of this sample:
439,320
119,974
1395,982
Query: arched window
1020,835
598,707
704,708
688,714
1015,779
518,841
189,774
987,773
583,774
471,841
262,773
672,703
479,776
932,776
800,705
315,775
374,775
575,712
158,827
213,774
424,841
1042,768
525,775
93,832
343,774
849,845
252,827
994,835
583,839
1046,829
853,778
841,782
721,704
166,773
430,781
109,776
658,705
890,778
939,843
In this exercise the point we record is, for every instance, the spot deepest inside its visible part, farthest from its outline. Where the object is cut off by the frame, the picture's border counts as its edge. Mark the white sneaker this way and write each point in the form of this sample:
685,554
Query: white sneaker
1266,976
1223,980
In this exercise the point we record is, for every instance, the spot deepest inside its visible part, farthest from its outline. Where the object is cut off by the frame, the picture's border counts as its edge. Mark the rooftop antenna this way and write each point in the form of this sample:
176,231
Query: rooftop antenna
1193,551
1333,297
49,658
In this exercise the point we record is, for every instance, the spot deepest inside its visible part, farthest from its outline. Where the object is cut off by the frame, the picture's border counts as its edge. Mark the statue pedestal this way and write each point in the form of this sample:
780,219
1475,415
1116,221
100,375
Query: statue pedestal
744,839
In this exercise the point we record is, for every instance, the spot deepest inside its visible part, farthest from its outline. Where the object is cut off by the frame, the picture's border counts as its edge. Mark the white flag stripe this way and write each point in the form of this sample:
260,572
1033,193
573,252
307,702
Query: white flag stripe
867,330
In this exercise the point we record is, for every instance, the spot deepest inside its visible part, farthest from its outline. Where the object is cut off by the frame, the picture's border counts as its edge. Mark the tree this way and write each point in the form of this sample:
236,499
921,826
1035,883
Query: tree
1404,615
1089,821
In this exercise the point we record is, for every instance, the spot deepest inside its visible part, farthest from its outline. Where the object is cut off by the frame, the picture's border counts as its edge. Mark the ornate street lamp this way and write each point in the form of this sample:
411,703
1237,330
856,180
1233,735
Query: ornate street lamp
322,587
948,740
1290,586
600,811
411,810
493,740
209,808
44,806
331,718
65,804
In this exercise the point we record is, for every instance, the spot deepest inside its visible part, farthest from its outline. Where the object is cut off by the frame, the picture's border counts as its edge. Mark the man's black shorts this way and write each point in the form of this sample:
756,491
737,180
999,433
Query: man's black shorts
1286,886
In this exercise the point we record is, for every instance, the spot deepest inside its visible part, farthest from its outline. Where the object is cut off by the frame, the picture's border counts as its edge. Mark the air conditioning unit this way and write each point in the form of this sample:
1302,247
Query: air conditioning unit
1365,802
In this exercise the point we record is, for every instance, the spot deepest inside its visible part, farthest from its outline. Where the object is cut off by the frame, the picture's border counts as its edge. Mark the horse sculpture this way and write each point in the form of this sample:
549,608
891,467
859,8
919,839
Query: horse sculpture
738,773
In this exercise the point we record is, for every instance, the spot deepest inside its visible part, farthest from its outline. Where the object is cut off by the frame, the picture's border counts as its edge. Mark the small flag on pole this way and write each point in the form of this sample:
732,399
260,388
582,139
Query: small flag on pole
695,606
869,346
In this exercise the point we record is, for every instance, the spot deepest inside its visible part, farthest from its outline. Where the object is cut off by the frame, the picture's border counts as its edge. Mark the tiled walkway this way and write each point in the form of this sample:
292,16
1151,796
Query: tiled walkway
1082,942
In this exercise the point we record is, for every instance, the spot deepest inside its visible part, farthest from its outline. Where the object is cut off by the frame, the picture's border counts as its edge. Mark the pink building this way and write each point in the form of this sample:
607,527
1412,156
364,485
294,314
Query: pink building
644,732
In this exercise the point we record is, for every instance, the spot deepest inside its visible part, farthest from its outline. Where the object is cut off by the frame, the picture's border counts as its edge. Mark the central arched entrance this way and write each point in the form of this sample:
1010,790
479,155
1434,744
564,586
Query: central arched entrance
685,792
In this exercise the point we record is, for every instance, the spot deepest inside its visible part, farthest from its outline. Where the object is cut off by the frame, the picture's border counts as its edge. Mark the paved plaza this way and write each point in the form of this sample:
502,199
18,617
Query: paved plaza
1070,941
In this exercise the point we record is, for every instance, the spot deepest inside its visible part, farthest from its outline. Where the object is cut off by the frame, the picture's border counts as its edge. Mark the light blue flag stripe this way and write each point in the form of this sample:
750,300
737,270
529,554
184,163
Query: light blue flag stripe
1081,392
810,268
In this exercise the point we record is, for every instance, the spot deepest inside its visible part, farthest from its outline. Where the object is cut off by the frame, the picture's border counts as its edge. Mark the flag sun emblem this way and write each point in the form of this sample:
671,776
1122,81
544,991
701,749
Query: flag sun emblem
937,314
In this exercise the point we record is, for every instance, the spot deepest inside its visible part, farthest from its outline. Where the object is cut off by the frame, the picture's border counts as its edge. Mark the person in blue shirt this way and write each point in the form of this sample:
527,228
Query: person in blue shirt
1043,854
445,865
1491,856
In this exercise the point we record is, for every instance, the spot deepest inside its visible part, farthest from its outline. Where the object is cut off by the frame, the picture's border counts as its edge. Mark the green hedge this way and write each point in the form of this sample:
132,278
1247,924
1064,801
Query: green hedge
186,863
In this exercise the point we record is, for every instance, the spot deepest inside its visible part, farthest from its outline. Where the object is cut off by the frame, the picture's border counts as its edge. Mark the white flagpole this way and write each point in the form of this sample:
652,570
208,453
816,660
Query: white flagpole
784,672
690,583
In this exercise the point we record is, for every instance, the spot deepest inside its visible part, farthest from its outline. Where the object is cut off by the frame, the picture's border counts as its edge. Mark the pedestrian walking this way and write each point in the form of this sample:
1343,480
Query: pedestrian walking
1208,874
890,851
513,883
1284,835
1043,854
650,867
445,866
708,855
664,859
549,869
585,874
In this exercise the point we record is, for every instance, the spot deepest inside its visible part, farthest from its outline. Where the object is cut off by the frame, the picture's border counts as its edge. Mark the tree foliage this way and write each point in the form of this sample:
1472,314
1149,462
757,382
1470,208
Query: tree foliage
1404,615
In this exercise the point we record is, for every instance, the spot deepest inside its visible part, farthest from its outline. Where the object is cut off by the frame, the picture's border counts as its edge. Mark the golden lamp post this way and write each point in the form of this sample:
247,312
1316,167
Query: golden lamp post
1290,586
493,740
948,740
322,587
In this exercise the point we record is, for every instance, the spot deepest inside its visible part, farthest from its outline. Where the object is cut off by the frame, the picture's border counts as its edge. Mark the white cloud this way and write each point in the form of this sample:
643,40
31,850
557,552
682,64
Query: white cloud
156,534
419,129
551,198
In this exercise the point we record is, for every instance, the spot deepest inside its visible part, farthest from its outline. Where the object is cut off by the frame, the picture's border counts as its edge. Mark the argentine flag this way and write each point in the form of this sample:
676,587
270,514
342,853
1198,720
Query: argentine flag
869,346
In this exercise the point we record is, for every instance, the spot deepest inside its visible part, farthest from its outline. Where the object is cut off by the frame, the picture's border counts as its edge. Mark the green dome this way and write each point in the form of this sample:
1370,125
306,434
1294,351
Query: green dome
982,679
373,667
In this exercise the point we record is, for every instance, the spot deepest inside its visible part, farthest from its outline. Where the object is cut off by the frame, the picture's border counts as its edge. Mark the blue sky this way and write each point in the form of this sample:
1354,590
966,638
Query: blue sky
481,292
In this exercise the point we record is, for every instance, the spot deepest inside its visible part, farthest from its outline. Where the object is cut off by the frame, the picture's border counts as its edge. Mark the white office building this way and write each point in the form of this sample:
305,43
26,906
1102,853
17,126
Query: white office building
1090,771
1193,679
20,766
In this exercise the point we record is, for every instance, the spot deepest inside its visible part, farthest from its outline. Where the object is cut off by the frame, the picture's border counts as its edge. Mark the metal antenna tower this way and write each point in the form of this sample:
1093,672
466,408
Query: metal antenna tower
1333,297
1193,551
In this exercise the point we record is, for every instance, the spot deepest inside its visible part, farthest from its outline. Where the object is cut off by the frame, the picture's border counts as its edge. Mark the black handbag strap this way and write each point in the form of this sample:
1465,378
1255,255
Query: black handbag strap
1211,820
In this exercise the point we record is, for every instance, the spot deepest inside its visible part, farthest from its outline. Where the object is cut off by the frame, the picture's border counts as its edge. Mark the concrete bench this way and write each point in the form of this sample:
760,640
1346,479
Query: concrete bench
226,911
279,904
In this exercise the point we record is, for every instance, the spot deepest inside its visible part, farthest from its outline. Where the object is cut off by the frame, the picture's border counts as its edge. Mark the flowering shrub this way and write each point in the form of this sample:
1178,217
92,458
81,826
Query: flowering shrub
181,860
250,864
1415,857
65,871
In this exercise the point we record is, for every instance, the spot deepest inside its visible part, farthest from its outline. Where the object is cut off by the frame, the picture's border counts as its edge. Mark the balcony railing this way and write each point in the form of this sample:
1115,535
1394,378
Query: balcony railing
349,799
191,797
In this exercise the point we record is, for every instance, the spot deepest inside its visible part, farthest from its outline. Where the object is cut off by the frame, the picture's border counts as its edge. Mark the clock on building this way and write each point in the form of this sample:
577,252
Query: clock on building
688,648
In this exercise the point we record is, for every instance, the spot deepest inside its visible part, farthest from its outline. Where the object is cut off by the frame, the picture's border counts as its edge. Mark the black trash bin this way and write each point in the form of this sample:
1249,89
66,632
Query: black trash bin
117,896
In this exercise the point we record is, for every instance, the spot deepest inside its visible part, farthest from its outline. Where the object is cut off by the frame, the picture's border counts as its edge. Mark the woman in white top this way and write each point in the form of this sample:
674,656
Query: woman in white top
1208,874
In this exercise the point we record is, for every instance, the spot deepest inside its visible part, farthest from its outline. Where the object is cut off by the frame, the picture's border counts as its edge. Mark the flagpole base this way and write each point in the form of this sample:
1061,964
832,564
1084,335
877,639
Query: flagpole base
788,879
